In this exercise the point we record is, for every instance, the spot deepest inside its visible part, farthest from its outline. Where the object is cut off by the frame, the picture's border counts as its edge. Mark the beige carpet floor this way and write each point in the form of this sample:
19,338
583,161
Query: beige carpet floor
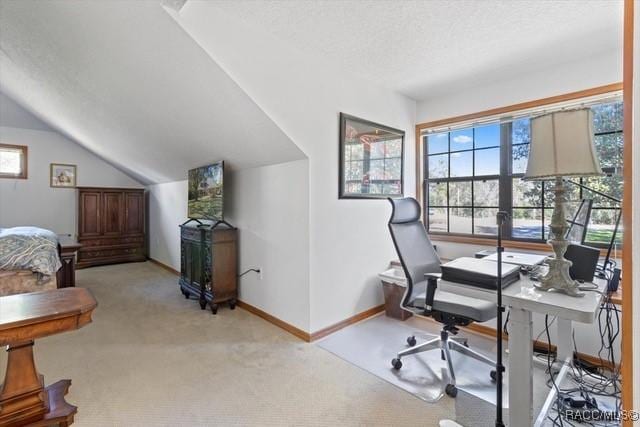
152,358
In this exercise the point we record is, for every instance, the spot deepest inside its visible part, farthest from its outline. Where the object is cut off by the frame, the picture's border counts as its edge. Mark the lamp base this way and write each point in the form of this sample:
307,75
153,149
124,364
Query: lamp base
558,277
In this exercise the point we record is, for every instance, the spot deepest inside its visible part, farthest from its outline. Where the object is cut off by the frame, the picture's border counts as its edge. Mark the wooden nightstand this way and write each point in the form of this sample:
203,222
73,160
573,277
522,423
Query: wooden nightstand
66,276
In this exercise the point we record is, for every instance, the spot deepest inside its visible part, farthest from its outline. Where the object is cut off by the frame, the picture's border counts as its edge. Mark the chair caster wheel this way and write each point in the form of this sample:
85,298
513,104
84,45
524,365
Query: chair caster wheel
411,341
396,363
494,376
451,390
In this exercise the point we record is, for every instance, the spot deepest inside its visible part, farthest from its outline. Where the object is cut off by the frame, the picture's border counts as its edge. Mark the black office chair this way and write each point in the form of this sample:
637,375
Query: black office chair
421,266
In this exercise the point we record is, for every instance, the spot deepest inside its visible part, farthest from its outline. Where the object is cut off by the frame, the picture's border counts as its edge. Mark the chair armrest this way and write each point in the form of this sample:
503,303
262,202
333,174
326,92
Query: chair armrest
432,284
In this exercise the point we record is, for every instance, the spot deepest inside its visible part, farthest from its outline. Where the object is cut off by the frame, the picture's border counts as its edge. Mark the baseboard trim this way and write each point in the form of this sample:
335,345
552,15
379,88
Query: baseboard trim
346,322
164,266
305,336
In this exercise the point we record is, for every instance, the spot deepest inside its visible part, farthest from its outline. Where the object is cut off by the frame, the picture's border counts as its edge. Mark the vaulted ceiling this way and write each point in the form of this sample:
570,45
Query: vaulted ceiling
424,48
122,79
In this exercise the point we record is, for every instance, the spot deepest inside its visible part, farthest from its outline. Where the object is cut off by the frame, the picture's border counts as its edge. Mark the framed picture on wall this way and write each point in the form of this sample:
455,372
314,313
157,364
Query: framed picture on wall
62,176
371,159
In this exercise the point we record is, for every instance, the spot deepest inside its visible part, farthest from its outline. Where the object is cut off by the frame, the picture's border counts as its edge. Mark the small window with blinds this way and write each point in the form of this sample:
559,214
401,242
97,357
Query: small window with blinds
473,170
13,161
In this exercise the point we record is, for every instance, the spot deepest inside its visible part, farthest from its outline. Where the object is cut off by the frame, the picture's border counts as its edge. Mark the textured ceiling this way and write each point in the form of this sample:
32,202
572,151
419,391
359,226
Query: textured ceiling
425,48
123,80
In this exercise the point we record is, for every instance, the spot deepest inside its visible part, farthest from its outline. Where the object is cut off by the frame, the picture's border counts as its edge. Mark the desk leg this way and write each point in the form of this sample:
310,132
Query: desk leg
565,339
520,369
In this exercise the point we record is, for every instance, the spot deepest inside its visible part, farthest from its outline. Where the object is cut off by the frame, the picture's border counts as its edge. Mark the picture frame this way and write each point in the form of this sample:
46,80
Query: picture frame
62,175
371,159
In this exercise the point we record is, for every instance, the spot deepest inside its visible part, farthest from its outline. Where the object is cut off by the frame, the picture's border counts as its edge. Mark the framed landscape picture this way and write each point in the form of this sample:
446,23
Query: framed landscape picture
62,176
371,159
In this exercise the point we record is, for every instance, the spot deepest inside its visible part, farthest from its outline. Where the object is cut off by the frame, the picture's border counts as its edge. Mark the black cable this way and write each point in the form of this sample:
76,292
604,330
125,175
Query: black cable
257,270
506,322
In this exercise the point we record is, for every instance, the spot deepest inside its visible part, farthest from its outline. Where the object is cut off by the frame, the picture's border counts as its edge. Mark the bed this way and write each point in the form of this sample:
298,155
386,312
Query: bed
29,260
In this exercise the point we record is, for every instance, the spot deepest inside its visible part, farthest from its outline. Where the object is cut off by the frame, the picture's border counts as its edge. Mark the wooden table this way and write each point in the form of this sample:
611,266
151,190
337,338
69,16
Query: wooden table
24,318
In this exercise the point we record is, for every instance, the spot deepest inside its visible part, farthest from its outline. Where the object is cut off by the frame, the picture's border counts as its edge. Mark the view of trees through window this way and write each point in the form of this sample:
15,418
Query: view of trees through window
471,173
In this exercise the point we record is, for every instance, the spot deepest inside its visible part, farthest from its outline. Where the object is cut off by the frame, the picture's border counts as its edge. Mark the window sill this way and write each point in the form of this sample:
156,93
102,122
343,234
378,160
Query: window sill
488,241
9,176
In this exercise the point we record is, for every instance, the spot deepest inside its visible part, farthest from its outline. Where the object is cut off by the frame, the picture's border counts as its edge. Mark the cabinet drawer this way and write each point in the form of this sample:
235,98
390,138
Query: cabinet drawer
98,253
113,241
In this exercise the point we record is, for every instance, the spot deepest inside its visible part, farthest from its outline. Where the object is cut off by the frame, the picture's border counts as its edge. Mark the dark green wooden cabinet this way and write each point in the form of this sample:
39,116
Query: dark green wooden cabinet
208,265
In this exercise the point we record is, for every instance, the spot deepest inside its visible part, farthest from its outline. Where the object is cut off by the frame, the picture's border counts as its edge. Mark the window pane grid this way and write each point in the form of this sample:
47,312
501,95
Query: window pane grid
531,204
452,162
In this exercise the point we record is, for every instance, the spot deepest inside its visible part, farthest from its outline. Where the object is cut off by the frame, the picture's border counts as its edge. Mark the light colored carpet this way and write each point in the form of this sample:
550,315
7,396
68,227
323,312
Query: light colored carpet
152,358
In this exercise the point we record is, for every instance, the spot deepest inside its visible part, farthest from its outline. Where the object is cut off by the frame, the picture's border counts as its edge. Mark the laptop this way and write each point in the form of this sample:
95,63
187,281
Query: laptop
518,258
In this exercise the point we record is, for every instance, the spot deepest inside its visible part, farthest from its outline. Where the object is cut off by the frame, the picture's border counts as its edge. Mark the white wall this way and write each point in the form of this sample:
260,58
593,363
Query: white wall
14,116
270,207
598,70
349,241
167,210
32,201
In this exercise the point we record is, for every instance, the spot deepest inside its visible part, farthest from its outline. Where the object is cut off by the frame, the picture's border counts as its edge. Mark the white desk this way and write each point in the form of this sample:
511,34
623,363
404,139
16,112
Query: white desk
523,299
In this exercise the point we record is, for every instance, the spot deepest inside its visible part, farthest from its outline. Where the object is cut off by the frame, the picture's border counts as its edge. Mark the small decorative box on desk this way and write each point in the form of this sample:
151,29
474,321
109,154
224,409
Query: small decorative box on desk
208,264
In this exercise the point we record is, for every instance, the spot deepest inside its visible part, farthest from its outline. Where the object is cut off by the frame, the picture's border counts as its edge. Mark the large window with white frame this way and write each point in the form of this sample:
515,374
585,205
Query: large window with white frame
473,171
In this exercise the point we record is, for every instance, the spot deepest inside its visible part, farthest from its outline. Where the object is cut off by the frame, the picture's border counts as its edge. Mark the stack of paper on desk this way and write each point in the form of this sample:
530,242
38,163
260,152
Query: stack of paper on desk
482,273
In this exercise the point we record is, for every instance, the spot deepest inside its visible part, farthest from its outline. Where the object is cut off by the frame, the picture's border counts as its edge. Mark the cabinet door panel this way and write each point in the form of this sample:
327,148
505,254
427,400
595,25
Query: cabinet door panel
134,213
113,213
90,207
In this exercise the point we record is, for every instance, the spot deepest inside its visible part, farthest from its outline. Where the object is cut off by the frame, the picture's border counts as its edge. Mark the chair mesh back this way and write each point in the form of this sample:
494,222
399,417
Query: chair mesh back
413,245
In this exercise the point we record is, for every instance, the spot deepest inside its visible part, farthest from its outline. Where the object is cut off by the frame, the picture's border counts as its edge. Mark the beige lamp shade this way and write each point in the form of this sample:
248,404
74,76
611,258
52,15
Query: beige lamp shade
562,145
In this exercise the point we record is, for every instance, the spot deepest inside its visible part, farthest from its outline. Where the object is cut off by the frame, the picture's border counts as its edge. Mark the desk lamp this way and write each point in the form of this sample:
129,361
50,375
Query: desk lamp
561,146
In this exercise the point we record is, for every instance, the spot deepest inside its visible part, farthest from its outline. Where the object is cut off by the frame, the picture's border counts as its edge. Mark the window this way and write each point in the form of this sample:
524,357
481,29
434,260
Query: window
472,172
370,159
463,173
13,161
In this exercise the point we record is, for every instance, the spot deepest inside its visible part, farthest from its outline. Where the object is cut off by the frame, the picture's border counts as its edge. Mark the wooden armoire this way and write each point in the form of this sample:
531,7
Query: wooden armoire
111,225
